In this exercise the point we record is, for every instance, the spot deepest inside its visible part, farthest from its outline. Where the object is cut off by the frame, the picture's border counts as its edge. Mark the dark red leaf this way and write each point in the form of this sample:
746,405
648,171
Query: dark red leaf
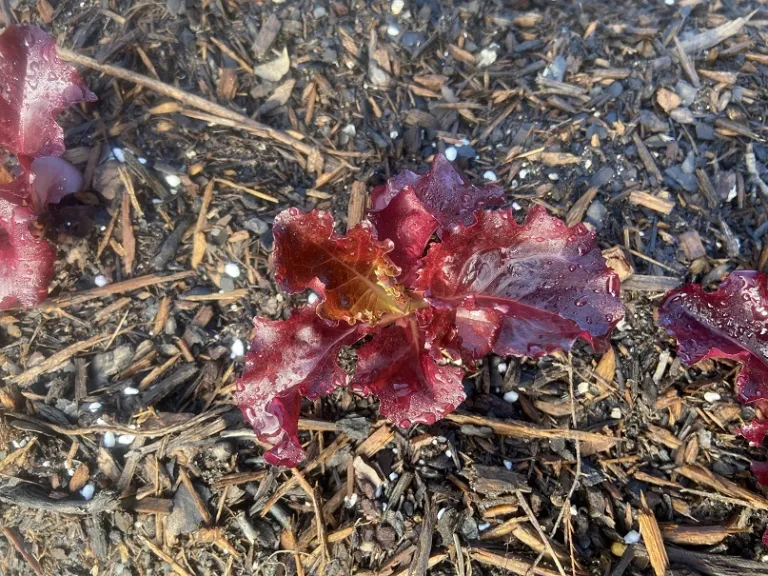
35,86
755,431
760,470
411,386
409,226
26,262
352,273
524,290
288,360
444,192
731,323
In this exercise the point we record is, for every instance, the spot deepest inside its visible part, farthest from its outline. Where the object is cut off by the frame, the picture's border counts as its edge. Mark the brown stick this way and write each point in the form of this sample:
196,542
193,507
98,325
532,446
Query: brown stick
243,122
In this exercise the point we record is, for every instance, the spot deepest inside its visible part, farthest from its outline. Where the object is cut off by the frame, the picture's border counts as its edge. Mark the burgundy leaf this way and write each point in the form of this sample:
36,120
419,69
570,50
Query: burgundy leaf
411,386
26,262
444,192
288,360
524,290
760,470
409,226
731,323
352,273
755,431
35,86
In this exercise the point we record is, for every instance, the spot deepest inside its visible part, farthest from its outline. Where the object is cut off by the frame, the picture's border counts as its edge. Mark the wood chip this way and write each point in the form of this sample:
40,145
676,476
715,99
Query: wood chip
200,244
652,202
692,246
649,530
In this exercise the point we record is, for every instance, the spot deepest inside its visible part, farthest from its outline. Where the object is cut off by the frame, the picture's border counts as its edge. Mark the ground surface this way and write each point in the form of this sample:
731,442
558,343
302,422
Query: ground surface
657,167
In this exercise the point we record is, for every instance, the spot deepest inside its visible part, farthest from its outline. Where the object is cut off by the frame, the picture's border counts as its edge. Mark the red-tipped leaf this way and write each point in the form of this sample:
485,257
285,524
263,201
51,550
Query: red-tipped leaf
26,262
36,87
412,387
730,323
288,360
409,226
444,192
524,290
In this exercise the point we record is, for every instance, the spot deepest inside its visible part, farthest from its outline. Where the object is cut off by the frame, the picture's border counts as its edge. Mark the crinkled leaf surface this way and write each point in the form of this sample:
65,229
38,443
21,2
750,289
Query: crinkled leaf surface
26,262
409,226
352,273
35,86
444,192
523,290
288,360
411,386
730,323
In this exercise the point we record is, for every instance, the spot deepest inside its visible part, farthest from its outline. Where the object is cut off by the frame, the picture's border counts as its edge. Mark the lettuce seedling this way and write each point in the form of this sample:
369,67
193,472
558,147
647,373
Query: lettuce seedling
433,281
35,86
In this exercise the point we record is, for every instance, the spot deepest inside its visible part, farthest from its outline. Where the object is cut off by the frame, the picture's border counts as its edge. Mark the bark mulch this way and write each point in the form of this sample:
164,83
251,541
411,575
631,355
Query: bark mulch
122,449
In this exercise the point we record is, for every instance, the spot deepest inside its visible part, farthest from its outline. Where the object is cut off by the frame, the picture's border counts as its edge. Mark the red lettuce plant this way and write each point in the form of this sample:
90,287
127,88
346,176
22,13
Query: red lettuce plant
730,323
35,86
484,284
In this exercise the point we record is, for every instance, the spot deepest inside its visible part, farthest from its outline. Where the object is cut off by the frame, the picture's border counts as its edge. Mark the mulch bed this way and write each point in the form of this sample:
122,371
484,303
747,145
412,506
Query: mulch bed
122,449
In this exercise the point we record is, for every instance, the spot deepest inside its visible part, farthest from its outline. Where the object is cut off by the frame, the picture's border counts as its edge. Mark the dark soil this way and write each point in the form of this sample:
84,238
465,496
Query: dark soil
143,420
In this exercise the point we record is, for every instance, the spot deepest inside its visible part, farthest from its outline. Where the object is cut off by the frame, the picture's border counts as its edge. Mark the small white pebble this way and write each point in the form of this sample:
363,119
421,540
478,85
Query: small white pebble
554,177
393,30
451,153
588,163
88,490
394,134
434,441
487,57
312,298
483,527
232,270
393,476
94,407
616,413
173,180
583,388
440,513
101,281
712,397
507,464
516,207
130,391
350,501
379,491
142,161
119,155
349,130
383,506
669,2
126,439
109,440
574,510
632,537
511,396
523,173
46,463
71,471
449,454
15,445
421,462
502,367
490,175
238,348
397,6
